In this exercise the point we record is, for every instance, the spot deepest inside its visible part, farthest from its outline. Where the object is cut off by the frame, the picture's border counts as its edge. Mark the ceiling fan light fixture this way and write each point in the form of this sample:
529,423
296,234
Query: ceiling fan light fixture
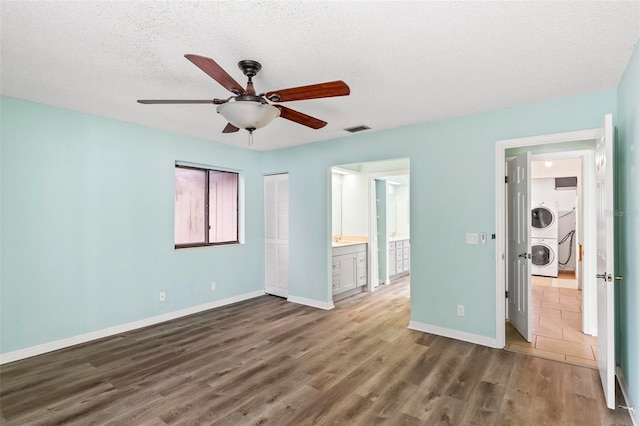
248,114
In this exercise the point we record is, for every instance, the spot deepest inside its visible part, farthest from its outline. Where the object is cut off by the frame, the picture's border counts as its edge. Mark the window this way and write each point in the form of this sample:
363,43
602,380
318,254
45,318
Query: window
206,207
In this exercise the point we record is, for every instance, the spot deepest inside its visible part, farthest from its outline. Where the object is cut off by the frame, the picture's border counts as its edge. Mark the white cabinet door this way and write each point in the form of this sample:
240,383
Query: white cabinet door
392,261
347,279
276,229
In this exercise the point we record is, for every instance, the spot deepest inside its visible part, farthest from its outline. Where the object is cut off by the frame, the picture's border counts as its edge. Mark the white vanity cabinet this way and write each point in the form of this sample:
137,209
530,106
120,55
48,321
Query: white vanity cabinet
349,267
399,255
392,259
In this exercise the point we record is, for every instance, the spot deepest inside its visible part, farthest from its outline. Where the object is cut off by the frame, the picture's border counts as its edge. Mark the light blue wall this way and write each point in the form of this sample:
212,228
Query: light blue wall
87,225
87,216
452,192
628,206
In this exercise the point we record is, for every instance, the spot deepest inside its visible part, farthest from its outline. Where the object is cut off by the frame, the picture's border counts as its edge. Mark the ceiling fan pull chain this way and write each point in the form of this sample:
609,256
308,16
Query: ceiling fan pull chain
250,137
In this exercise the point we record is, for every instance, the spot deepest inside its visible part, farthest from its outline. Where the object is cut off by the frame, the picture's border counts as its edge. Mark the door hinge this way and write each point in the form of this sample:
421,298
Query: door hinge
506,179
506,294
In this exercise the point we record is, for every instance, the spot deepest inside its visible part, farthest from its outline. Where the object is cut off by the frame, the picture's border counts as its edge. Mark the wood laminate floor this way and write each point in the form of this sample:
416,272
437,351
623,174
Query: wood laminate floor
267,361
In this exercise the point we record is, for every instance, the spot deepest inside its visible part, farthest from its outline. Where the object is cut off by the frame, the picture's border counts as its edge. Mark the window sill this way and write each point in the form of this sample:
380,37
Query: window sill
185,246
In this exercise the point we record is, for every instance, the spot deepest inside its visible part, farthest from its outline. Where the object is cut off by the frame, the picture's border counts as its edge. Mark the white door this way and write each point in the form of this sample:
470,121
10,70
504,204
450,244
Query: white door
605,241
519,244
276,230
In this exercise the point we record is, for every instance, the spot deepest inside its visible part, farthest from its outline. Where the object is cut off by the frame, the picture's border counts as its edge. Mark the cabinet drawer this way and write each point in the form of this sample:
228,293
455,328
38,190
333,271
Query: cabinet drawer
405,244
405,253
399,266
335,265
405,265
399,245
392,254
399,254
336,285
362,279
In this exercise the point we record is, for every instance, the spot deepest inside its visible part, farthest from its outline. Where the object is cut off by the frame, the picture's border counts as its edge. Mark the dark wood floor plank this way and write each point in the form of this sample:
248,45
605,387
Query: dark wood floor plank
265,361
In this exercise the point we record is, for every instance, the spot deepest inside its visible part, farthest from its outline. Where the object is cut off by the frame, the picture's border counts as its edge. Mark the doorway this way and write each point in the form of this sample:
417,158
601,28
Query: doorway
598,256
391,210
370,213
557,240
555,148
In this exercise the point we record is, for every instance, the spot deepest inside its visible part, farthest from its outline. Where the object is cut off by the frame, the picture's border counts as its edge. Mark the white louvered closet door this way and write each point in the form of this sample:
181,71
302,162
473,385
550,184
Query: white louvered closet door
276,230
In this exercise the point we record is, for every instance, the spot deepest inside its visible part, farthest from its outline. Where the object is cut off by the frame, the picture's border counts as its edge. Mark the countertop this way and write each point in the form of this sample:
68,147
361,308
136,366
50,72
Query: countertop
346,243
399,238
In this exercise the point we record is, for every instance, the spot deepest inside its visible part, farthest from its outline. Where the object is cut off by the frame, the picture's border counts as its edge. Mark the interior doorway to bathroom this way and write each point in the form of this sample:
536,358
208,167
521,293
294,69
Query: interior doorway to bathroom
370,225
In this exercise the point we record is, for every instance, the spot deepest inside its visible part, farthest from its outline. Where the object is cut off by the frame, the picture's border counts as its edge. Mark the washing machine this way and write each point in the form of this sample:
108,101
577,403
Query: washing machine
544,219
544,257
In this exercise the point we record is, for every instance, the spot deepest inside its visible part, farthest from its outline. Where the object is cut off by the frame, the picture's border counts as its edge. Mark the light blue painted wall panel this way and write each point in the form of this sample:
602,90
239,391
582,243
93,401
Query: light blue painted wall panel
452,192
628,225
83,248
87,225
381,227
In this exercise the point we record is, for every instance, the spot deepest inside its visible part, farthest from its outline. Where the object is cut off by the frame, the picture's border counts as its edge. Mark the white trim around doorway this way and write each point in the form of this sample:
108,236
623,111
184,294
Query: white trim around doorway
500,147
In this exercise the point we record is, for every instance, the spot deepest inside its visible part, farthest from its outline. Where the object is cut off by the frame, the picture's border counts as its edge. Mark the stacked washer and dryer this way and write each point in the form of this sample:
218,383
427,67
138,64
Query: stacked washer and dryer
544,238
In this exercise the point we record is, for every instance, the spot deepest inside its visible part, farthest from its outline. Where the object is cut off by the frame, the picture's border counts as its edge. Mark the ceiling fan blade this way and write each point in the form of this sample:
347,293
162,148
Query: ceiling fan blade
314,91
300,118
182,101
215,71
230,128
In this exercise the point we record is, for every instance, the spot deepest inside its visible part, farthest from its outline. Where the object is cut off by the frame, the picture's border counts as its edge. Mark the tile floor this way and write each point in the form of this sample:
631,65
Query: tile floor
557,324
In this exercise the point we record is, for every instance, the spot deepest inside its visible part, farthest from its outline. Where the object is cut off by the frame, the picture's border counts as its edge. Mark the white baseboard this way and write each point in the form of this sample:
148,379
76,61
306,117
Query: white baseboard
105,332
454,334
310,302
591,331
634,411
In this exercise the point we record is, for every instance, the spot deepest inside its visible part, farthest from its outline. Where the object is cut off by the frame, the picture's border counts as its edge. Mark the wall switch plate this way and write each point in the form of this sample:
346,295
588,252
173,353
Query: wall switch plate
213,286
472,238
483,238
163,296
460,310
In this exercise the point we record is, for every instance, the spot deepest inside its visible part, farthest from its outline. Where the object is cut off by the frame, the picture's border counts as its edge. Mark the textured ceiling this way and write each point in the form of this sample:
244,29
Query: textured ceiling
406,62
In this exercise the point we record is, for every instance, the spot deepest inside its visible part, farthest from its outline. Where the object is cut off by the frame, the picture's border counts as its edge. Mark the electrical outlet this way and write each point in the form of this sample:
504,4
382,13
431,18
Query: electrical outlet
163,296
460,310
213,286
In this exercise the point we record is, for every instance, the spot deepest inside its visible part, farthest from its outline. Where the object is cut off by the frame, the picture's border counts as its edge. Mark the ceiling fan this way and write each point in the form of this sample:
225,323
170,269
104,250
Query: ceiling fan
250,111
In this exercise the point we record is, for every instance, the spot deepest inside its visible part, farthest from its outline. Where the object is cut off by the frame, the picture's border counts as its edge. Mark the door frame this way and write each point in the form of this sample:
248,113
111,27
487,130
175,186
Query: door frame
500,169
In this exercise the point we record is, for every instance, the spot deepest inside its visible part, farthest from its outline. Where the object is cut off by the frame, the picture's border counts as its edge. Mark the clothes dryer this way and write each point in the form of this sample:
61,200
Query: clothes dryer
544,219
